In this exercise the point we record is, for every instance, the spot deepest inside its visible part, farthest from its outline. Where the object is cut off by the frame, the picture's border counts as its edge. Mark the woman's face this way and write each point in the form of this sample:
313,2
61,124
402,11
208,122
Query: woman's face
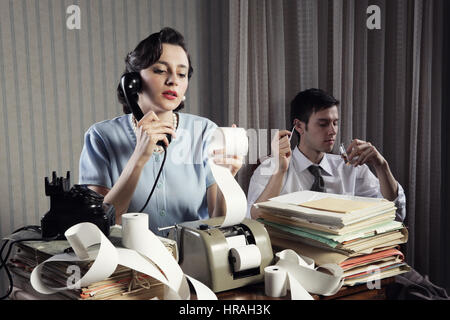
165,82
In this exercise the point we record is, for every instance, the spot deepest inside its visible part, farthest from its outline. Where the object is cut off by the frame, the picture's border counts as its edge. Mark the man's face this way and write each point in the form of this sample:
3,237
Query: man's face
320,133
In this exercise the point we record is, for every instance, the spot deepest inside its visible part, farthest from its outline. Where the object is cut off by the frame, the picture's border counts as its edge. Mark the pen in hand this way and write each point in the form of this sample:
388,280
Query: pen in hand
292,132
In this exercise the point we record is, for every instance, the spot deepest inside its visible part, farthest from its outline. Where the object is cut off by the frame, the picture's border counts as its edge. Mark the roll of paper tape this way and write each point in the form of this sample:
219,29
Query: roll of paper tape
233,140
275,281
246,257
137,236
301,276
134,225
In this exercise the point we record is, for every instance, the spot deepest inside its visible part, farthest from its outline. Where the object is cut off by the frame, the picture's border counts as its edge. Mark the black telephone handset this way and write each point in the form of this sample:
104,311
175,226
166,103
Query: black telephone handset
131,85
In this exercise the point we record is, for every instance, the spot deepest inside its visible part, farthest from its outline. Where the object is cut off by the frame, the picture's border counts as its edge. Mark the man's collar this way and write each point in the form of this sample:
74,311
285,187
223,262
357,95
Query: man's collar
303,162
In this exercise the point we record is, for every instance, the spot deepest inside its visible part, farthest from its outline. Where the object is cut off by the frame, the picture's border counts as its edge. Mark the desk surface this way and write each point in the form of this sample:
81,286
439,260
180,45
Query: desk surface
359,292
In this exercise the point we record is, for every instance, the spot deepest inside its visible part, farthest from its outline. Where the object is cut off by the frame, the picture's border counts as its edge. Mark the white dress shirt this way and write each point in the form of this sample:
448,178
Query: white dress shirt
338,178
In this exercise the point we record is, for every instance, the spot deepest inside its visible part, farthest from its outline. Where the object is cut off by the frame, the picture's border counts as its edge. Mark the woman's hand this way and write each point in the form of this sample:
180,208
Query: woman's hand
150,129
234,162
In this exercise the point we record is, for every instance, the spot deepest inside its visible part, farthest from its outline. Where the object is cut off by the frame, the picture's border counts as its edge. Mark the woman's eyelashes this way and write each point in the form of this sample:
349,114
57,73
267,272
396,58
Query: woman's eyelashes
162,71
159,71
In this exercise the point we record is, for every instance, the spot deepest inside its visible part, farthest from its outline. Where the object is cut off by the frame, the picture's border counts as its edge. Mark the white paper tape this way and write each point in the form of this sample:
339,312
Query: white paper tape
235,142
299,274
236,241
246,257
145,253
137,236
80,237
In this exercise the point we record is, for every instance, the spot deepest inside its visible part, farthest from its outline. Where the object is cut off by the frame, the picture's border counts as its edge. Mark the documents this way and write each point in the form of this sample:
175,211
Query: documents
123,284
357,233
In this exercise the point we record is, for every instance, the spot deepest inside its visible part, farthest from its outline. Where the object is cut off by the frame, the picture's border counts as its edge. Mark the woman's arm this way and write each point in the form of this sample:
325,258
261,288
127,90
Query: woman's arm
121,193
150,130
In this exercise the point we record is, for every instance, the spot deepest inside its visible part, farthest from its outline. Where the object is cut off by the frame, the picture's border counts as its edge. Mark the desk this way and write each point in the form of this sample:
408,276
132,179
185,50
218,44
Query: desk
252,292
359,292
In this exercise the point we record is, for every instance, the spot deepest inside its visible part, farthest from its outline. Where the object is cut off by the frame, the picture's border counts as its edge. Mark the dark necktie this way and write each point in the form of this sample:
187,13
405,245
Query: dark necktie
318,184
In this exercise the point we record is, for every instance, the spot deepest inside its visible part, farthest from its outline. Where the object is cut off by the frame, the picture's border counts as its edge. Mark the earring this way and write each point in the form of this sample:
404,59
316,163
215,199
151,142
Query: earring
184,98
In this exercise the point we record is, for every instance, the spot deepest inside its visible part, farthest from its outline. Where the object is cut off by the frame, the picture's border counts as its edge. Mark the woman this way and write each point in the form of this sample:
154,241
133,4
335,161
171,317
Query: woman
121,159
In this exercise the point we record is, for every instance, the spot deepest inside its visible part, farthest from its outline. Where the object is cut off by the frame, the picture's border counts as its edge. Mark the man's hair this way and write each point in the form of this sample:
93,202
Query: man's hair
310,101
147,52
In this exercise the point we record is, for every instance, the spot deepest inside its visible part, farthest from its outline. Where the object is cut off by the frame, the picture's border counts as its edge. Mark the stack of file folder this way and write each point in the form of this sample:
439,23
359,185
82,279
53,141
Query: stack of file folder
359,234
123,284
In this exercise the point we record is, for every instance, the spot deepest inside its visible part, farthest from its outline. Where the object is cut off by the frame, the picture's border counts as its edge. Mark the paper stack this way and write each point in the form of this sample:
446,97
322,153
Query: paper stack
357,233
123,284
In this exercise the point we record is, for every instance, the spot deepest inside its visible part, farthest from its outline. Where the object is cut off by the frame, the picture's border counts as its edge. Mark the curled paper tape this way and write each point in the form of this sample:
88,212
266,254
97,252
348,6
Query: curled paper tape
235,142
145,254
299,274
137,236
80,237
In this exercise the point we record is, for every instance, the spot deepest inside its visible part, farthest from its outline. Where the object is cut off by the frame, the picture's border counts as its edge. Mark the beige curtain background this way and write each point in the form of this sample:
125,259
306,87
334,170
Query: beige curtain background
389,82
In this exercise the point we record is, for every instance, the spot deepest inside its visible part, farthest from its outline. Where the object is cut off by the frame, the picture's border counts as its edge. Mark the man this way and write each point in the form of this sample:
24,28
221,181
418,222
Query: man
311,166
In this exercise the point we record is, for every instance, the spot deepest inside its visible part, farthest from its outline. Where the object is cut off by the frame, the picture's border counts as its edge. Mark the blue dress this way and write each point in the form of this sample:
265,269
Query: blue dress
180,194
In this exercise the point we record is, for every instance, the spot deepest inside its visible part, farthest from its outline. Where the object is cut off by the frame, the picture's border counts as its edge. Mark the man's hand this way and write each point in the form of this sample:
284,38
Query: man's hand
361,152
281,148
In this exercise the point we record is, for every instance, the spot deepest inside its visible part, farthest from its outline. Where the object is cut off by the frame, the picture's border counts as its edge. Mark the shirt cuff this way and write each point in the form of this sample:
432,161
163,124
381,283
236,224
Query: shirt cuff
400,203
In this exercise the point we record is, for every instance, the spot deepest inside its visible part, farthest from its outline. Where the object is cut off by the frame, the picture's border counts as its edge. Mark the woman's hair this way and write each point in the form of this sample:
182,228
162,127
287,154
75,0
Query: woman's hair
147,52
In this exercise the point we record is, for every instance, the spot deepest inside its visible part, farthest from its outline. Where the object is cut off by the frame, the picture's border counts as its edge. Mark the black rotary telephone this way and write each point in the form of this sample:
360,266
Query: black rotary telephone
131,85
70,206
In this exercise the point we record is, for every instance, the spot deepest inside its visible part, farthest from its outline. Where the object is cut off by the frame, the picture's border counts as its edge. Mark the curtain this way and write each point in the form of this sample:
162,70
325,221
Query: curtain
388,80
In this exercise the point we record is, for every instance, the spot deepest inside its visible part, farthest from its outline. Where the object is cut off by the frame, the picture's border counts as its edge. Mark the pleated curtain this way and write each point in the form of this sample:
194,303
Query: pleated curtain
388,81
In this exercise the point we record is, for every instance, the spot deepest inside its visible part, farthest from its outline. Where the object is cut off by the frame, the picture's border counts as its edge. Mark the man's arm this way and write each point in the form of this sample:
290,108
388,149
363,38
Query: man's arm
388,184
362,152
272,189
281,151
